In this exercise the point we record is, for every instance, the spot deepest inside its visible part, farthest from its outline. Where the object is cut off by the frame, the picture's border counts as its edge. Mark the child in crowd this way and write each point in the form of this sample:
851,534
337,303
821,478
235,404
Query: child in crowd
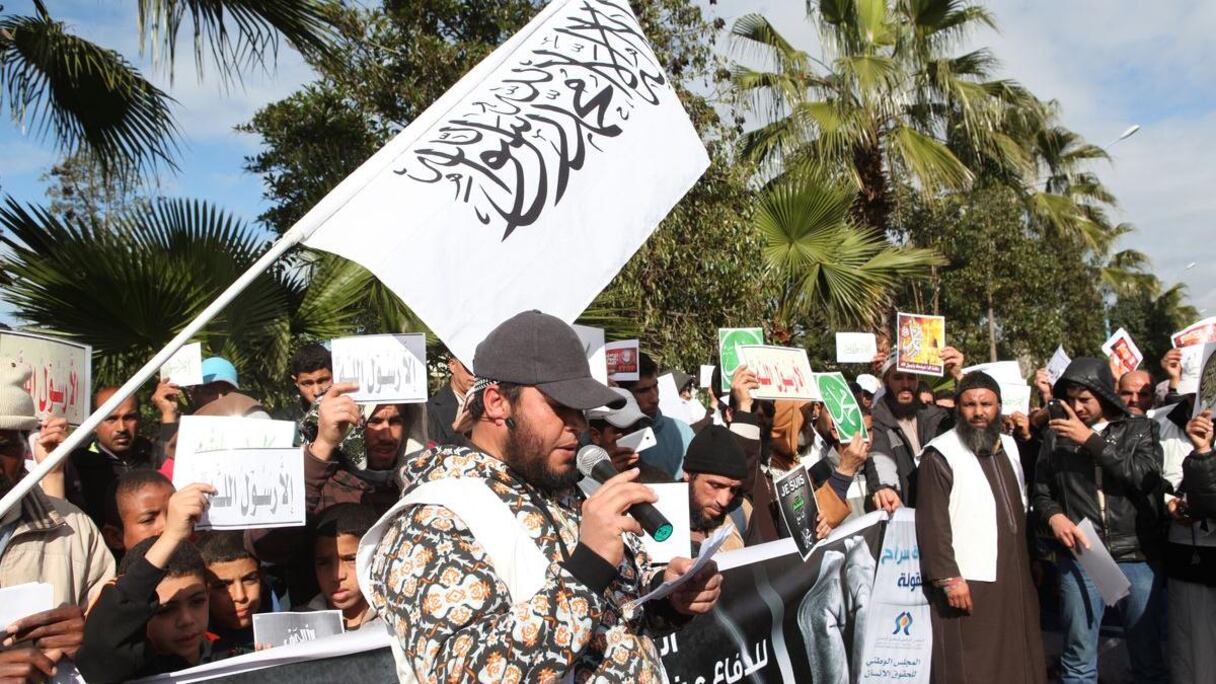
236,591
335,543
137,510
153,619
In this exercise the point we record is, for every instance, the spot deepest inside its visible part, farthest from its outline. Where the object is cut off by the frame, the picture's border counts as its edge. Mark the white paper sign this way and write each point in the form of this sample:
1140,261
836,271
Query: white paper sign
783,372
1057,365
184,368
638,440
1004,372
670,403
531,160
199,434
389,369
853,347
593,347
254,487
1015,399
24,600
1102,569
673,504
62,379
284,629
707,377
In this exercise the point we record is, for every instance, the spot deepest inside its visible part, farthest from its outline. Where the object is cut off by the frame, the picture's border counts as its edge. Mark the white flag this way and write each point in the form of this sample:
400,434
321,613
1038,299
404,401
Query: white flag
529,184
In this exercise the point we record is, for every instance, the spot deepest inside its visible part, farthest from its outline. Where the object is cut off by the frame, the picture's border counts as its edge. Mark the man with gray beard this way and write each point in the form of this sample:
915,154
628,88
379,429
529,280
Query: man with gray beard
970,527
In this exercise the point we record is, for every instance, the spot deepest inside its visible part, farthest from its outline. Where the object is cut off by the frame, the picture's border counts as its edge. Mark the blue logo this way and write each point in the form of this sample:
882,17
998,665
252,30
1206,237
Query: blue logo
903,622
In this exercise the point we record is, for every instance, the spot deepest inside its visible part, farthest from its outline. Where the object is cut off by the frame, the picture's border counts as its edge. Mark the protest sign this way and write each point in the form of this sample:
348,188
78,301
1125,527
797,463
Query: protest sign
1190,363
1004,372
781,618
729,340
919,345
184,368
799,509
389,369
61,381
673,504
670,402
854,347
23,600
254,487
783,372
1015,399
842,405
707,377
198,434
529,162
1057,365
283,629
593,348
621,358
902,654
1121,348
1201,332
1205,397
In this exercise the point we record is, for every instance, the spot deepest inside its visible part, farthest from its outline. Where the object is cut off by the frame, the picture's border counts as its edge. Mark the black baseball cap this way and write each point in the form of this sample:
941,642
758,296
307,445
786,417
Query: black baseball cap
542,351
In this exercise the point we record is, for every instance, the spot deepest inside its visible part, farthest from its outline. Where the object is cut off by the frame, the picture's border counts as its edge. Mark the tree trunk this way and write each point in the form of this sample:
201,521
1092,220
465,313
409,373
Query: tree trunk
991,329
872,209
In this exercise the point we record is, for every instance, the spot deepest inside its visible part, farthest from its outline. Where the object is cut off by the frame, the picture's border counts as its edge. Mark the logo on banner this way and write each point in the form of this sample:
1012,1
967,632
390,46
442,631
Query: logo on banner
903,622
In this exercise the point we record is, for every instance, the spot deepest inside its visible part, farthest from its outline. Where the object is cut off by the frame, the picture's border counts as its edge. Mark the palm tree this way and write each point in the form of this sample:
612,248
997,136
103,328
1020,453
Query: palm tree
886,99
825,264
128,288
90,100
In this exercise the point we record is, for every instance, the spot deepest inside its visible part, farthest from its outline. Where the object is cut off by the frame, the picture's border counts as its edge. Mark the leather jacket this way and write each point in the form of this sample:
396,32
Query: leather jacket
1126,458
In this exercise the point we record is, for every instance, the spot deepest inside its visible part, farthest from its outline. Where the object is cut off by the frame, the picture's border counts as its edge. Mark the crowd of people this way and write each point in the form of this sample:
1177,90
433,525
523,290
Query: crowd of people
484,560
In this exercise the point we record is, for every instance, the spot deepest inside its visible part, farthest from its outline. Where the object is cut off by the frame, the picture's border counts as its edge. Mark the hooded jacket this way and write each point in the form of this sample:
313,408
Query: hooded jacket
1114,478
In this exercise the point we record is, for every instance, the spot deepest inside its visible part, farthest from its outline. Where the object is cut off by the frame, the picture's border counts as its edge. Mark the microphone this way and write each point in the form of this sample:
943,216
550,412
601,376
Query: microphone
593,462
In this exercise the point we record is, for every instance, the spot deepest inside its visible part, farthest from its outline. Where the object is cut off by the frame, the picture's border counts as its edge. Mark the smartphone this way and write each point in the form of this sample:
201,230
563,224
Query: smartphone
1056,411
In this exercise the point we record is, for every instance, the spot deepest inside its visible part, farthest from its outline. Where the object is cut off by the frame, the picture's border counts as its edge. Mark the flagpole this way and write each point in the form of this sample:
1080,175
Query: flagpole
22,487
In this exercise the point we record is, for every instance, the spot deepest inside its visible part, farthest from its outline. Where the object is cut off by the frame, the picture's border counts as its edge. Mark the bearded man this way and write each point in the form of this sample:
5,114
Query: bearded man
971,526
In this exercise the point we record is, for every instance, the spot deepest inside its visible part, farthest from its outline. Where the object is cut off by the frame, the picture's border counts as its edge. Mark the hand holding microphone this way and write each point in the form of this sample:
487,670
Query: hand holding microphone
620,505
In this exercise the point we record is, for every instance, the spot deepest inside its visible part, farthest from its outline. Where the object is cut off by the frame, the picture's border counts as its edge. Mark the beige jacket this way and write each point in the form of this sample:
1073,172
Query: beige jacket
55,542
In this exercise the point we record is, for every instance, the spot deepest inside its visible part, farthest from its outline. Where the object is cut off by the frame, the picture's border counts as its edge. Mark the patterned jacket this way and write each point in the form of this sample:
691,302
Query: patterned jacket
453,617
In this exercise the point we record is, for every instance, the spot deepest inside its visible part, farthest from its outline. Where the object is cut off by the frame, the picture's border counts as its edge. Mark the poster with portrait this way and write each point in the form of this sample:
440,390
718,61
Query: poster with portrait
920,340
622,360
1121,349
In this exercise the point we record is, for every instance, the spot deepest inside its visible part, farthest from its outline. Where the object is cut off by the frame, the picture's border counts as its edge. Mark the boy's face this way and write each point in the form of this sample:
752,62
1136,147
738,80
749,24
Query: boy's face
235,591
180,624
143,513
335,564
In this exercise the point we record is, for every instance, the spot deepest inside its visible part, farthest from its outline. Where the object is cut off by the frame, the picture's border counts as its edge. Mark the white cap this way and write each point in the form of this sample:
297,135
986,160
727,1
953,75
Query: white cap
622,418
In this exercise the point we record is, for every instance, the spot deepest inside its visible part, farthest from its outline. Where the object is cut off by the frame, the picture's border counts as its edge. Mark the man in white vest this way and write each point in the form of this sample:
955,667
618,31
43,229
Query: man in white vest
971,530
492,567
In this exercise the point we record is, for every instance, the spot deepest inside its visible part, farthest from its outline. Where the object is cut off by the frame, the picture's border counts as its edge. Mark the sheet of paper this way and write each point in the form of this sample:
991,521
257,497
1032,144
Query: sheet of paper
673,504
62,380
389,369
1015,399
199,434
920,341
254,487
670,403
1205,397
1200,332
1004,372
799,509
783,372
1121,347
185,368
23,600
284,629
622,360
1057,365
593,347
1193,357
708,549
854,347
1102,569
707,376
638,440
842,406
729,340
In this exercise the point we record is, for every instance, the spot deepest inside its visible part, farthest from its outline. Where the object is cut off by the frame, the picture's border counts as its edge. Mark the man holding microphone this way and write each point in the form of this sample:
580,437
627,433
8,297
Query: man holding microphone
492,566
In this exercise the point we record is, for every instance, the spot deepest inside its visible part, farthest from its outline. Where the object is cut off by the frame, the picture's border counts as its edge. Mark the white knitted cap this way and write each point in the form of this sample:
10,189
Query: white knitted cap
16,404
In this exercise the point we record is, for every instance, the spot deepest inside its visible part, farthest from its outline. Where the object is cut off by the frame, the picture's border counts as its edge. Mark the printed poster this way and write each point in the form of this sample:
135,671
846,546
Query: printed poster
798,508
1121,348
1201,332
842,405
62,380
389,369
1058,364
898,629
729,340
622,360
920,343
1205,398
783,372
254,487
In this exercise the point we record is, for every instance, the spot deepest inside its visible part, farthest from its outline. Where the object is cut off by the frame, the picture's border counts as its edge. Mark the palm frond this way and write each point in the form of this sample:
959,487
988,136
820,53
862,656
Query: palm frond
931,162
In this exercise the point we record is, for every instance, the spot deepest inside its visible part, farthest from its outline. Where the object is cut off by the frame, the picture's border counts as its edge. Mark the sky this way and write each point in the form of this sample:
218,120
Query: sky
1109,63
